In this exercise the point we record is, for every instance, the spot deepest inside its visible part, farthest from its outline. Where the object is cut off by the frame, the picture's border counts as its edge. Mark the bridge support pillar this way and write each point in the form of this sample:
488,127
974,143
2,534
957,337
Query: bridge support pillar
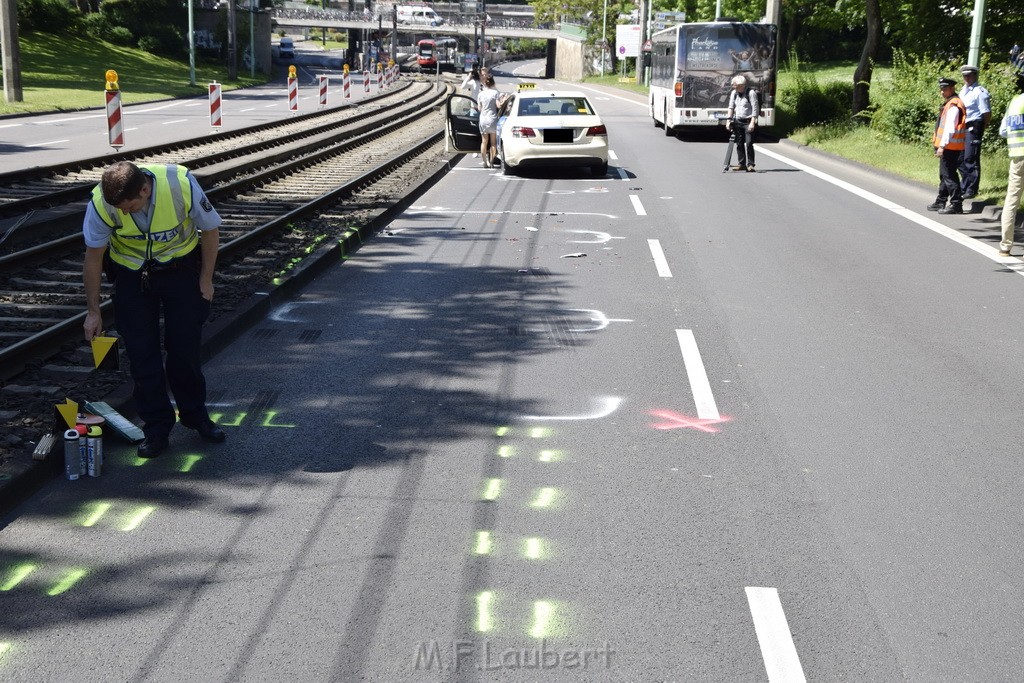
549,64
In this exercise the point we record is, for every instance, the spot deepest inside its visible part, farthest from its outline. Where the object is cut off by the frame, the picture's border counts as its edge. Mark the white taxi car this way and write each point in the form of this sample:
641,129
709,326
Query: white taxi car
538,128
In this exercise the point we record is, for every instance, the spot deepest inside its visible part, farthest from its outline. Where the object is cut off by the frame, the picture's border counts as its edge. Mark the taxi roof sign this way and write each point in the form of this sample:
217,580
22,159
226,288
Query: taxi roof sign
527,86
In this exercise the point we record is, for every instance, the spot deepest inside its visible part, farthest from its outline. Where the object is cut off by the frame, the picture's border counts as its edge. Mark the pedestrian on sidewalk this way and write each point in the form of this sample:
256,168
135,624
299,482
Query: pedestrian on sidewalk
948,141
1012,128
979,111
741,119
154,232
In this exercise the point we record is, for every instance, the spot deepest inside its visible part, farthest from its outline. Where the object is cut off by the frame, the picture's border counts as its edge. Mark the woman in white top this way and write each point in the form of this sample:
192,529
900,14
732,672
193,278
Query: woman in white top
472,82
489,100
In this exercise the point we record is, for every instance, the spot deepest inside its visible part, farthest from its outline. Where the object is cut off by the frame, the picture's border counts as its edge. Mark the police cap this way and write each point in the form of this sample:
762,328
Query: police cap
946,82
968,69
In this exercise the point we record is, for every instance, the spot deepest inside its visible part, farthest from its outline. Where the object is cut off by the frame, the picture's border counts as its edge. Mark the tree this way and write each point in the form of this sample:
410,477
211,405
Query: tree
862,75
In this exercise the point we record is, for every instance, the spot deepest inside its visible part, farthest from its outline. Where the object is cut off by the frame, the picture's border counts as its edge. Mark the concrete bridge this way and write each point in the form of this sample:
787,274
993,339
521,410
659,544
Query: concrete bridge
566,56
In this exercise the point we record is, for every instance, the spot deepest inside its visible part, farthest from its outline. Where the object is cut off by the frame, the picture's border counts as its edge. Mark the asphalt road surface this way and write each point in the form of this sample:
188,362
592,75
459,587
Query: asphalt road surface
670,424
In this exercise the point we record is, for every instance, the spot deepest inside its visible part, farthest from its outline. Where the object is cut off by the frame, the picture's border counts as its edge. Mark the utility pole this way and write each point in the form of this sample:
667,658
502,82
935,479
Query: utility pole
483,38
394,34
11,51
191,45
232,42
977,31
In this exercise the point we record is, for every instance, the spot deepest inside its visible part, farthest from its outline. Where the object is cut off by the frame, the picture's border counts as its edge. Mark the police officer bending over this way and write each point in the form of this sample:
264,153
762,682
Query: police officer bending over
162,235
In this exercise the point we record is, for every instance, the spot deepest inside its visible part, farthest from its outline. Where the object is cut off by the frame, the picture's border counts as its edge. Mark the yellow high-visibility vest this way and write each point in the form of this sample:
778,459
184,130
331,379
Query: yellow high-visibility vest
172,233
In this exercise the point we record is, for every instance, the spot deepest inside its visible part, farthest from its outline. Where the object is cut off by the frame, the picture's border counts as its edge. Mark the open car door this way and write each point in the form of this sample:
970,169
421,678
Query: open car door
464,123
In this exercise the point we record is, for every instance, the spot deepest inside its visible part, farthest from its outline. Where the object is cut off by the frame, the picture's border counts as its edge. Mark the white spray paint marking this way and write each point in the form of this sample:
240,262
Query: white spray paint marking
598,317
777,649
281,313
612,156
602,237
412,211
603,407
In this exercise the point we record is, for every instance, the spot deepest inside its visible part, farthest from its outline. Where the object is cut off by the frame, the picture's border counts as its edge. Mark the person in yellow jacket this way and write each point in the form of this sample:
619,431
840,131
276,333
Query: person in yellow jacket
948,141
1012,128
161,234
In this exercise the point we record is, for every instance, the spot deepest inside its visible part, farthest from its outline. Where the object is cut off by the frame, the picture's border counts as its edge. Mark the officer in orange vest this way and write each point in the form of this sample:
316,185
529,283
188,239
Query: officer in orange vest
948,141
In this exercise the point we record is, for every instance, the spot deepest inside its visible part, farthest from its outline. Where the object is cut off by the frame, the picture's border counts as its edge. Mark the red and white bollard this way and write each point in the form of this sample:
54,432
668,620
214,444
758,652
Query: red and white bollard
293,89
380,77
216,121
115,122
346,86
323,91
366,80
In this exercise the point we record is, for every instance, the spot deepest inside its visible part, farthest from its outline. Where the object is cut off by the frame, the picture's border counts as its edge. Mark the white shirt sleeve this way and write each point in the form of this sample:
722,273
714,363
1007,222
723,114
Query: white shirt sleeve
95,231
952,118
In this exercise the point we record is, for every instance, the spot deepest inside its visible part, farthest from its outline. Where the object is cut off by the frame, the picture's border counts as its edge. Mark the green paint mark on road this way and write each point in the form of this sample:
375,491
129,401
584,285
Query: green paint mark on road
543,611
545,497
484,545
138,517
97,512
484,621
17,576
493,489
69,580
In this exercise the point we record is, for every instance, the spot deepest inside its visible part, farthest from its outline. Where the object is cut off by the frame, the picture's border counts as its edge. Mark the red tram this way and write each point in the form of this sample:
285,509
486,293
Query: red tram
434,52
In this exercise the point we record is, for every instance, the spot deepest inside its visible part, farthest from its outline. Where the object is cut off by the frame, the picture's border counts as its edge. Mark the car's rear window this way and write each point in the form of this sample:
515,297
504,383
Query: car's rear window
554,106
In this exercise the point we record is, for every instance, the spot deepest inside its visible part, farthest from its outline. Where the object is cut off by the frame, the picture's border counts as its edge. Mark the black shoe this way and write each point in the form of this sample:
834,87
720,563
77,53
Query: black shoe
952,208
208,432
152,446
970,195
936,205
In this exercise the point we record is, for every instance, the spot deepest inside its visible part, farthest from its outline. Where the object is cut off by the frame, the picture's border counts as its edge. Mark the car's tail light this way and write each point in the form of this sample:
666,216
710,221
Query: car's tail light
594,131
679,88
523,132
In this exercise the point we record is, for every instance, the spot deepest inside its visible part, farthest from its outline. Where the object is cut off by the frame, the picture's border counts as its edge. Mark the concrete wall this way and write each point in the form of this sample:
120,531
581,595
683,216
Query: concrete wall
569,58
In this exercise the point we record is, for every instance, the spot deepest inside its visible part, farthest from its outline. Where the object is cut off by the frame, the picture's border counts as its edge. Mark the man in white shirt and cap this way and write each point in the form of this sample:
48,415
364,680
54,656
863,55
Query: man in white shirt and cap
976,100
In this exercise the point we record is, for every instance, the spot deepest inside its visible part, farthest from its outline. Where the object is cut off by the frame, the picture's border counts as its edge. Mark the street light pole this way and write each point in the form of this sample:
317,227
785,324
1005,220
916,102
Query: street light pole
604,36
191,45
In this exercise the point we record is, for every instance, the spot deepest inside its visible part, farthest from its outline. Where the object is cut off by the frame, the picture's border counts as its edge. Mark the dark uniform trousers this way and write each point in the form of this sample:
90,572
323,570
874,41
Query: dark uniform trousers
744,142
949,181
970,160
174,290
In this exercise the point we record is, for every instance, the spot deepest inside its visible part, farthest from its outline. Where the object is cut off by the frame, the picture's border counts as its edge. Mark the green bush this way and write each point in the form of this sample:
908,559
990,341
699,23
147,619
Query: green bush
119,35
909,104
47,16
96,25
813,104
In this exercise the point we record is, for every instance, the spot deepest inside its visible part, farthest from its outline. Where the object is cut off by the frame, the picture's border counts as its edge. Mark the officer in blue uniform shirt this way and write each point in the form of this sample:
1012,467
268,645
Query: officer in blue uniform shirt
160,235
979,111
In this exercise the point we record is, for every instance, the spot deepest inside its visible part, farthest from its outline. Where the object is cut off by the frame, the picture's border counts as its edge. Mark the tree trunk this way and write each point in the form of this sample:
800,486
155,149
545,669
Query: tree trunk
862,76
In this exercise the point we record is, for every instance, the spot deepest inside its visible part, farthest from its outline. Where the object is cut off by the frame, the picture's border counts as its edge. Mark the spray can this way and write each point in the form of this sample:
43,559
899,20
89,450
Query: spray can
72,456
95,441
83,449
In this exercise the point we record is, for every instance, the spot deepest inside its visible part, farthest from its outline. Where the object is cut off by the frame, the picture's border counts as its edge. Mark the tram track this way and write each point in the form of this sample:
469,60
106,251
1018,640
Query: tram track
269,199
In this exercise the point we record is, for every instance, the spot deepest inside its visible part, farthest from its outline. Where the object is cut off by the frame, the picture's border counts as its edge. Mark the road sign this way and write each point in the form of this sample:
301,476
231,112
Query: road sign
627,38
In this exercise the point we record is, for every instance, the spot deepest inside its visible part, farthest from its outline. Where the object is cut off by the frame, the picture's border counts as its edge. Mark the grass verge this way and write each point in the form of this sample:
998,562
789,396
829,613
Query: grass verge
64,73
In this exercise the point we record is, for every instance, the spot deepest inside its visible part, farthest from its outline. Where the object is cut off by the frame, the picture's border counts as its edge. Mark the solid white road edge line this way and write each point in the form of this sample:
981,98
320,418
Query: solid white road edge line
44,144
637,206
992,253
698,376
777,649
660,262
